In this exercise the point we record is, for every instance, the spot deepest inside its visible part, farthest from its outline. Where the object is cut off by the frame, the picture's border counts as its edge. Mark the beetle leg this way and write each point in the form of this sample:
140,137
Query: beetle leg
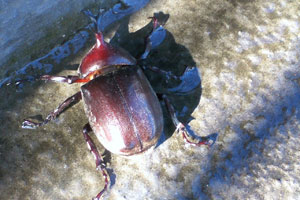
100,164
189,80
54,114
59,79
64,79
180,127
167,74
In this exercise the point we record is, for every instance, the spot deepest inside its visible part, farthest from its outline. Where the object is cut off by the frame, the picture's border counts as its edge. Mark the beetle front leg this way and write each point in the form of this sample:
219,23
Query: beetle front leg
180,127
58,79
54,114
64,79
100,164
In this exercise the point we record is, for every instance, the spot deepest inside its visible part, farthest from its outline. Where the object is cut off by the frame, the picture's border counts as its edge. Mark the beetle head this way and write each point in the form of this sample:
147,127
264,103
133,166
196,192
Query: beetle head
103,55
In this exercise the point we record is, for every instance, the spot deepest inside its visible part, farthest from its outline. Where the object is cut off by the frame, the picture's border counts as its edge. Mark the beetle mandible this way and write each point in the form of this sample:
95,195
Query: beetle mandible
122,108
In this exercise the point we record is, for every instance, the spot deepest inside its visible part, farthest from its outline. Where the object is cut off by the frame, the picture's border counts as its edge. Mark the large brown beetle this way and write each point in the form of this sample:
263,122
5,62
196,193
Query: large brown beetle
123,110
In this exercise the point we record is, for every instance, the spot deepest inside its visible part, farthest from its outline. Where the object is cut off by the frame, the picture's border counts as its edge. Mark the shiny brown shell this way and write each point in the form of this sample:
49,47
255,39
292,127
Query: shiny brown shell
123,111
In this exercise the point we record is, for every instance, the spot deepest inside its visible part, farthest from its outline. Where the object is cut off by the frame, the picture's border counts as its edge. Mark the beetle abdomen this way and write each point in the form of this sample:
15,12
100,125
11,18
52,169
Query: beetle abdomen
123,111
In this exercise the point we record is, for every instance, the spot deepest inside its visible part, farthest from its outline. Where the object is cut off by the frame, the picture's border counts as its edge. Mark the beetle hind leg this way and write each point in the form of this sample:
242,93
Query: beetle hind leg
100,163
54,114
189,137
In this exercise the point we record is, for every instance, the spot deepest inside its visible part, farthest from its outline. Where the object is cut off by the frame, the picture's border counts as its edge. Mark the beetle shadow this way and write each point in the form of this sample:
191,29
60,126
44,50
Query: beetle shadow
171,57
107,159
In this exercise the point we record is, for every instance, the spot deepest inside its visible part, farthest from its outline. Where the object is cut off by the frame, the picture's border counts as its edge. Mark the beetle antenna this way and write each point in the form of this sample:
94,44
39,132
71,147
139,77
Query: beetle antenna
92,17
93,27
95,19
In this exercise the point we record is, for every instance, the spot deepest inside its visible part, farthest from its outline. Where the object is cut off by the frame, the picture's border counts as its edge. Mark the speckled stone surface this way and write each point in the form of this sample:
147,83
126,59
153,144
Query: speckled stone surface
247,53
25,25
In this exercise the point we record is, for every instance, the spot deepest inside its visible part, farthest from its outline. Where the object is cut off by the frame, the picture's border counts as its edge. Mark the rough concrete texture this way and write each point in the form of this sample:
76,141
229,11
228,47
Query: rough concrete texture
25,25
248,55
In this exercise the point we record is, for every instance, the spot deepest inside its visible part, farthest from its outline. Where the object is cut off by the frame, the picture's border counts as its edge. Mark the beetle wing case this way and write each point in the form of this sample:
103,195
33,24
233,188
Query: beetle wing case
123,110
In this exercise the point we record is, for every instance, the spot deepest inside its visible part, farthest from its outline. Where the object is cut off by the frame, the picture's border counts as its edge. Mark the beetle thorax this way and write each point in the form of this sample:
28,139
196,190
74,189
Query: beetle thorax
102,55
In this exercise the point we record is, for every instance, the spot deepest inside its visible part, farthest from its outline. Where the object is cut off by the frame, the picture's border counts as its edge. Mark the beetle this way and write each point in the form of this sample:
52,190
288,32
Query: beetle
122,108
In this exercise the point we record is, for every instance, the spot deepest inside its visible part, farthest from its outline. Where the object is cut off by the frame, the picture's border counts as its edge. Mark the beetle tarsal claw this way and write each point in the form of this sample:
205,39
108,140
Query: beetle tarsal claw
101,166
190,80
191,139
180,127
28,124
